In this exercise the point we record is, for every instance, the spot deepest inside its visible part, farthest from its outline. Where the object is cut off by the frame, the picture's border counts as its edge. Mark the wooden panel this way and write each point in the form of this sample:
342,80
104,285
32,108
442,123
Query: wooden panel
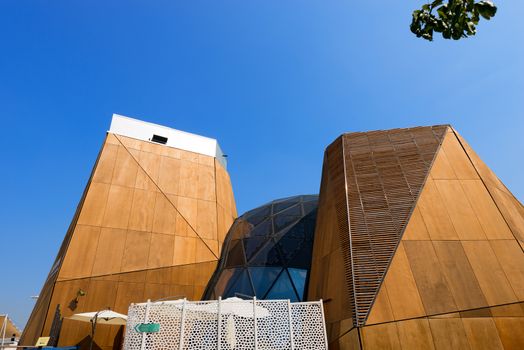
432,285
441,169
101,294
164,220
384,336
512,211
434,213
448,334
206,219
188,179
180,291
137,250
206,250
487,212
128,293
161,251
482,333
188,208
106,164
93,208
490,275
458,159
81,252
169,176
184,250
206,183
511,258
163,275
416,228
401,287
381,310
462,215
511,331
110,251
461,278
156,291
189,156
183,275
348,341
415,334
118,207
514,310
147,175
142,210
126,167
206,160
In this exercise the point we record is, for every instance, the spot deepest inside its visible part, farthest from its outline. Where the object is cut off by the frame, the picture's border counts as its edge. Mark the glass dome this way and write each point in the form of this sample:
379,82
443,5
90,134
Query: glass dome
267,252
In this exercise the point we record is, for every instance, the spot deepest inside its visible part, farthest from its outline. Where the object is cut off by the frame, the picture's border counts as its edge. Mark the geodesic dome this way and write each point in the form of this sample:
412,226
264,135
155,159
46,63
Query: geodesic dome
267,252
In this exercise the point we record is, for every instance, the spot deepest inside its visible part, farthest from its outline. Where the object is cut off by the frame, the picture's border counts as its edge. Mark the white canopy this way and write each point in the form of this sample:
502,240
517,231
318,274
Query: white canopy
102,317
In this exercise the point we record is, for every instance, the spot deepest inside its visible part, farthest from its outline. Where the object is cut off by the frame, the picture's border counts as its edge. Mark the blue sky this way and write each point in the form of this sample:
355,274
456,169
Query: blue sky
274,81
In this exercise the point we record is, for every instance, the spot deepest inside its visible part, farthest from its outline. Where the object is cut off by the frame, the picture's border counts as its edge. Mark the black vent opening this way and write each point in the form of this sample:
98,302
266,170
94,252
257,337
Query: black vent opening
159,139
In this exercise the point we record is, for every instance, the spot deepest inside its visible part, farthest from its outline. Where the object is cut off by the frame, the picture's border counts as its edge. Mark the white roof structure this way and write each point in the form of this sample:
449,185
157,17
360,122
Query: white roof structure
141,130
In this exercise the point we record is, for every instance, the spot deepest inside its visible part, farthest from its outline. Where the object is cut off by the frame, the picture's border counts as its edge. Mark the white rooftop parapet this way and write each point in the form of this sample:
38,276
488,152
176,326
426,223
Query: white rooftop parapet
186,141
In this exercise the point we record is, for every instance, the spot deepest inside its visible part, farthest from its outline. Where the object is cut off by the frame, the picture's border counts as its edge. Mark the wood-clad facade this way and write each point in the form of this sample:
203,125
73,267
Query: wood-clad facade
150,225
418,245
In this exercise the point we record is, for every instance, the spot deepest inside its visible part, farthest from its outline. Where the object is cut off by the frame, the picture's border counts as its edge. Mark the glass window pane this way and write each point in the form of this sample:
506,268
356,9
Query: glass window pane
235,255
263,278
267,256
298,276
282,289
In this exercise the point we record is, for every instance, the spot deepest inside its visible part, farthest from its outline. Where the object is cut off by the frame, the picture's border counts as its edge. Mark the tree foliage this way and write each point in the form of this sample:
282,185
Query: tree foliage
455,19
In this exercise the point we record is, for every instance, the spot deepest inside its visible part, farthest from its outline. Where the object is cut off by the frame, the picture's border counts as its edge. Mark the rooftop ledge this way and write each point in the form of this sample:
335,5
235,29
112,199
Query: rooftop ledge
169,137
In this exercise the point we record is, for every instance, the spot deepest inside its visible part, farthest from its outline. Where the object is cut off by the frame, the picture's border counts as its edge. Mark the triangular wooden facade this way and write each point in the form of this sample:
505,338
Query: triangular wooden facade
150,225
456,277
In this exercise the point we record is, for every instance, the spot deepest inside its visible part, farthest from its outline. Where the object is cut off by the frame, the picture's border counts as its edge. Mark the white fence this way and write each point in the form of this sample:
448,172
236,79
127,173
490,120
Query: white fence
230,324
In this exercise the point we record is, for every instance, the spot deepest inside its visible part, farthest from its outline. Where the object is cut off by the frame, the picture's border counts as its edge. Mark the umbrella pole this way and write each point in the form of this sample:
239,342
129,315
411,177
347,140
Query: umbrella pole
93,328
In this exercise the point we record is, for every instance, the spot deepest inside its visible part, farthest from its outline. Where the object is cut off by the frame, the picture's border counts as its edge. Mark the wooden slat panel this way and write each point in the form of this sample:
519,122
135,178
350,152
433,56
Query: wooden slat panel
415,334
432,285
482,333
462,215
448,333
435,214
511,258
401,287
461,278
490,275
487,212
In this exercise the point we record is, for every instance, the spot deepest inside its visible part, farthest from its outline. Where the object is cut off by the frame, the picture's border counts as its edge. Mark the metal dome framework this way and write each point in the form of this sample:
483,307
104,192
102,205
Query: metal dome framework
267,252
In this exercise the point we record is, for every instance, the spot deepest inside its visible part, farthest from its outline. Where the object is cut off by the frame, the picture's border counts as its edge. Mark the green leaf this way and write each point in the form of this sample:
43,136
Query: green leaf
486,9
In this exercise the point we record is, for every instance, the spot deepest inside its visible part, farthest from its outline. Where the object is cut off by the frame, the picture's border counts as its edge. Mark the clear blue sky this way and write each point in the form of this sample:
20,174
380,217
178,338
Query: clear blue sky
274,81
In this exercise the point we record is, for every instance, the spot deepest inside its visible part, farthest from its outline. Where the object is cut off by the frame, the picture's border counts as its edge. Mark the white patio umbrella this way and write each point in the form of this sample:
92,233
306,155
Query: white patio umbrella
230,306
103,317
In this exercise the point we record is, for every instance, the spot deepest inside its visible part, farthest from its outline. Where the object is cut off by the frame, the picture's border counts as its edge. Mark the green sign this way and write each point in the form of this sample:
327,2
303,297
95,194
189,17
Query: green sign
147,327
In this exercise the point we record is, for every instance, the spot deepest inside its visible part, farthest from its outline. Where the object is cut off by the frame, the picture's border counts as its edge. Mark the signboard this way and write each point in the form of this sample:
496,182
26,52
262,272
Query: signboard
147,327
42,341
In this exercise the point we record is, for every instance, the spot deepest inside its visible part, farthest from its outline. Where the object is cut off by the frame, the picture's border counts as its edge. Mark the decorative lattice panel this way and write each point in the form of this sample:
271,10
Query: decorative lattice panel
228,325
383,173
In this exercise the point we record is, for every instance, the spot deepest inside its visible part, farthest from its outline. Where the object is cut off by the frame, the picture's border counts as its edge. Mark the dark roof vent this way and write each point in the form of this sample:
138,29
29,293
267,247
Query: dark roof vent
159,139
